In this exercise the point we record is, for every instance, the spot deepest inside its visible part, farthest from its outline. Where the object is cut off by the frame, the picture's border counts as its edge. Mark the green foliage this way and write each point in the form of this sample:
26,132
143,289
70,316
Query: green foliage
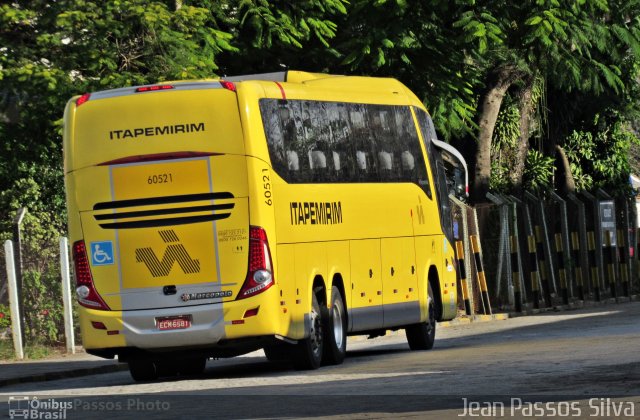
507,129
5,318
538,172
499,181
599,154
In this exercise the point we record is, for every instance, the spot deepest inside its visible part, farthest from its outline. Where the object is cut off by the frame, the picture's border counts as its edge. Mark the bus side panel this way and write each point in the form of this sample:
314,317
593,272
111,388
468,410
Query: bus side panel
448,283
285,275
338,265
366,285
427,255
310,261
399,282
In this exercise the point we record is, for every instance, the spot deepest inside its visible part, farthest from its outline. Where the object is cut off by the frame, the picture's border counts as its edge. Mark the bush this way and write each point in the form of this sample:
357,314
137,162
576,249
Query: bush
5,318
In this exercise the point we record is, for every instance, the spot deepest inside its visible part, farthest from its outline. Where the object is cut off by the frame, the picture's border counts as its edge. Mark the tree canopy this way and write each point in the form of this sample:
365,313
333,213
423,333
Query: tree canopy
502,80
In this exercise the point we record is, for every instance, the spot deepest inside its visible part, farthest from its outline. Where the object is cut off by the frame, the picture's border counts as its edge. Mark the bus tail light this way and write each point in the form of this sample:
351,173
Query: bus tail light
228,85
84,98
153,88
260,272
85,289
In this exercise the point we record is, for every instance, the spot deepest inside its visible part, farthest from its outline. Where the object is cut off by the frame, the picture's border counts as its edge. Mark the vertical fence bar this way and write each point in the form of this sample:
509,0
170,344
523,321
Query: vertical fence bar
66,295
610,251
565,243
481,277
623,249
504,253
533,267
581,257
16,327
467,247
595,275
542,265
561,270
463,277
598,239
516,244
575,251
515,275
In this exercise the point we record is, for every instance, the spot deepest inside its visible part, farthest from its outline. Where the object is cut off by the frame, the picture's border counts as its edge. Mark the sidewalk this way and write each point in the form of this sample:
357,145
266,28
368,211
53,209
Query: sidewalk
65,366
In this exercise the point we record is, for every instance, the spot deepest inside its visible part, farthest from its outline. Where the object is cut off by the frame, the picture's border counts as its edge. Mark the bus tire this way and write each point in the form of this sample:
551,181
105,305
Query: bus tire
335,330
277,352
307,353
192,366
143,370
166,367
422,336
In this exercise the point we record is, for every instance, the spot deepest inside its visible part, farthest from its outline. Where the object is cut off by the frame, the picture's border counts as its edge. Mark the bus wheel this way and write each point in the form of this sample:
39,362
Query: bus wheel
143,370
422,336
308,352
335,330
192,366
277,352
166,367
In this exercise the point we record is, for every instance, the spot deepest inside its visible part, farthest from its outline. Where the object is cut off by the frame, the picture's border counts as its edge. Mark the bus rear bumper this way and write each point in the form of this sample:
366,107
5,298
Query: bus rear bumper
209,326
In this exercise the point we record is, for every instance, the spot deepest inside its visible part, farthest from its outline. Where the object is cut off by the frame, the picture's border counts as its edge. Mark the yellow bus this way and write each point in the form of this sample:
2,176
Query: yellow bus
283,211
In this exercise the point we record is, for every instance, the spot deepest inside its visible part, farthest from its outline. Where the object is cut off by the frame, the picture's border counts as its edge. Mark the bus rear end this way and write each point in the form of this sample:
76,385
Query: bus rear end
167,265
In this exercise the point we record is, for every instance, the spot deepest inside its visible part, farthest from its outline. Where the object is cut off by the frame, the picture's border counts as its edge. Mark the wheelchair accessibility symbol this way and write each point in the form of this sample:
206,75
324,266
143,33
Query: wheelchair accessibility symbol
102,253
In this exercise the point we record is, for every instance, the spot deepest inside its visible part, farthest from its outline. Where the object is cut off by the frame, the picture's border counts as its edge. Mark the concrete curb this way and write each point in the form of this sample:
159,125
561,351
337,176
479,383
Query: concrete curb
578,304
64,374
464,320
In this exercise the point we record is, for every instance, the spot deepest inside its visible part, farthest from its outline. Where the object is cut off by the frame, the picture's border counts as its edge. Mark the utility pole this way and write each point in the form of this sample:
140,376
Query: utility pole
22,211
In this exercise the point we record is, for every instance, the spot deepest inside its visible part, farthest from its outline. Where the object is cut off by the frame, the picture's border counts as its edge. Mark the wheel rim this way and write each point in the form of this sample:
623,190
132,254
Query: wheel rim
316,332
336,314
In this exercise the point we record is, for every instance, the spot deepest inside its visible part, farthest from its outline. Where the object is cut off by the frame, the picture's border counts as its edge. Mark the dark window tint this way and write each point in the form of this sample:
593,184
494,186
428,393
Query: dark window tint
437,165
312,141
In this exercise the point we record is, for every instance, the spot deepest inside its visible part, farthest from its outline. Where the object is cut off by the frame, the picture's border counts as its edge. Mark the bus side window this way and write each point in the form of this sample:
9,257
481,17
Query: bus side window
412,167
363,145
272,121
437,168
423,125
341,167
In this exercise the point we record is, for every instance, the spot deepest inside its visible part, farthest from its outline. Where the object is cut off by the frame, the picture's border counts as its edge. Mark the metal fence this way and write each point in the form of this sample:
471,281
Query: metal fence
545,251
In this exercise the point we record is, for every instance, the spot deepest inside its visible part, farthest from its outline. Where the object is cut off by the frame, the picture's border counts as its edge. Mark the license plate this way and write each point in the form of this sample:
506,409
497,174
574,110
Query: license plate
179,322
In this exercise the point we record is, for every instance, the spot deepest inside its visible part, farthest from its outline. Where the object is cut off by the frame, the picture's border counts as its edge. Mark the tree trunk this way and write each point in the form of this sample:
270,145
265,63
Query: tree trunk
526,111
565,182
498,82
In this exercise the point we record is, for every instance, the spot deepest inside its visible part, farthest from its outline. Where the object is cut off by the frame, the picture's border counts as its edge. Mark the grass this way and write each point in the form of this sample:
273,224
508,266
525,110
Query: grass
32,351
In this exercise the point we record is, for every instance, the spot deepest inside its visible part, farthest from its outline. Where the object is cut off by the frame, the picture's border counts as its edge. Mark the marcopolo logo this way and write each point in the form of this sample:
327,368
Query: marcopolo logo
175,252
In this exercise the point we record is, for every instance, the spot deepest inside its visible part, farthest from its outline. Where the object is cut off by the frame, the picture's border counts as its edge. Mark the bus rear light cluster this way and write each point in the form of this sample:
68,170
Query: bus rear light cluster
84,98
85,289
228,85
153,88
260,270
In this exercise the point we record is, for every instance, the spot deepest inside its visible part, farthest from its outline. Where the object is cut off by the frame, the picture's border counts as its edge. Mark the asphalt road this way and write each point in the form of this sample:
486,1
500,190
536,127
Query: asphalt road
585,364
